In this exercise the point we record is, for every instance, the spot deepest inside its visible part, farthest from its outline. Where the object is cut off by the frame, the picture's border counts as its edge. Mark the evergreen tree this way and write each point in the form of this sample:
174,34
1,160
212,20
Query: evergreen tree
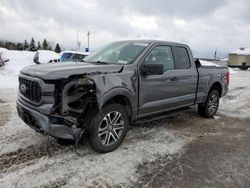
32,46
25,45
45,45
57,48
19,46
38,45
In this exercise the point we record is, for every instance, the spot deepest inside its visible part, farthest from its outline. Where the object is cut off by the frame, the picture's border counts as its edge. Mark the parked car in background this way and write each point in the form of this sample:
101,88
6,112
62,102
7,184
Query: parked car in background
73,56
2,59
46,56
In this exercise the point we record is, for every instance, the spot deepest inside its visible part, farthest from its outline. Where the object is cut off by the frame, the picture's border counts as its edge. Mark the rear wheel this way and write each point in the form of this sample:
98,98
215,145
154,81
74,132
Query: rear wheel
108,128
210,106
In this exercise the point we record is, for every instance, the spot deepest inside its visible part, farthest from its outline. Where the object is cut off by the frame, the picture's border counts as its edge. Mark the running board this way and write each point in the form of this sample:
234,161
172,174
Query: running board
162,115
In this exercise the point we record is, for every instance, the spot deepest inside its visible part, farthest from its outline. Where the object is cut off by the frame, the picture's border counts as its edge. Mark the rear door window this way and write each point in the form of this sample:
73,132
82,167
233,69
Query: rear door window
181,57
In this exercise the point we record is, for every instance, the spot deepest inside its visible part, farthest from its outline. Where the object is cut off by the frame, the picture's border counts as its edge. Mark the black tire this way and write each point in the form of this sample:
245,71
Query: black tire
102,132
210,106
65,142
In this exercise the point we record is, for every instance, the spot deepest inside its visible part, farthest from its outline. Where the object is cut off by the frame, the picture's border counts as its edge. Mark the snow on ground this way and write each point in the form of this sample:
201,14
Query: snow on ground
236,102
15,134
233,70
118,167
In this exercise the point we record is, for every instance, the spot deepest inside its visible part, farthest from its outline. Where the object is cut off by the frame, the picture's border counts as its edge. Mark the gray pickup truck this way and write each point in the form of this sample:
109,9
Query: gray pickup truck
119,84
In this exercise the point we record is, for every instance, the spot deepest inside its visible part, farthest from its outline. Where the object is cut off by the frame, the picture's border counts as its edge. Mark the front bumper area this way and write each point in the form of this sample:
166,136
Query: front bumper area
41,123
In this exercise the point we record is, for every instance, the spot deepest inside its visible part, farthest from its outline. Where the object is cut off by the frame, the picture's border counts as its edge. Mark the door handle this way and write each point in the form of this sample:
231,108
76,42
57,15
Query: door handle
174,79
133,78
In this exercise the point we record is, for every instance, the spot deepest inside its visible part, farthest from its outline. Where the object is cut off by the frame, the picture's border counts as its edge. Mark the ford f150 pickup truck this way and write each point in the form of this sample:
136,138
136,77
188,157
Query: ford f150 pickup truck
115,86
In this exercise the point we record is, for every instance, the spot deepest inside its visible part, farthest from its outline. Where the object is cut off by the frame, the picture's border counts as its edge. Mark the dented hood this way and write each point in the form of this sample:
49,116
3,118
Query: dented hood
55,71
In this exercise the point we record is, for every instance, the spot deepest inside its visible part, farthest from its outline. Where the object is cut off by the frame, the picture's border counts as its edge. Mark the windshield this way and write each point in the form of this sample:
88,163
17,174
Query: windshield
117,53
67,56
72,57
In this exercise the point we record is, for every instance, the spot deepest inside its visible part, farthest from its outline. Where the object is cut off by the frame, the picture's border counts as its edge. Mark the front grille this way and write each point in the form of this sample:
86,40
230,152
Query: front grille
28,118
30,89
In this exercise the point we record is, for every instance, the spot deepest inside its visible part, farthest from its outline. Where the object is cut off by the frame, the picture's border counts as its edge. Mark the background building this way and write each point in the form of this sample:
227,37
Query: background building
240,58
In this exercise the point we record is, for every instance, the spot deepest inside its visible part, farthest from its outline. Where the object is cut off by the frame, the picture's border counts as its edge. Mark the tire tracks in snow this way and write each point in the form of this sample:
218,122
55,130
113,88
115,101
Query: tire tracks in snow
91,168
5,112
26,156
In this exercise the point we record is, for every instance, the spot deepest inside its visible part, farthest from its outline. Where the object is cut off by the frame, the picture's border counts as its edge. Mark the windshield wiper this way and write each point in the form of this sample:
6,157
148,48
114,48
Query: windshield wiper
98,62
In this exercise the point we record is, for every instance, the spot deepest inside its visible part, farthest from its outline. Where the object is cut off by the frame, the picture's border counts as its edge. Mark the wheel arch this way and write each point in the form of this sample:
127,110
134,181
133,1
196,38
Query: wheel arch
216,86
119,95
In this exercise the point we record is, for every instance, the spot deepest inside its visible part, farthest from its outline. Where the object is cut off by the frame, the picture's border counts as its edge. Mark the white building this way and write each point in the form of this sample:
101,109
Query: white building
240,58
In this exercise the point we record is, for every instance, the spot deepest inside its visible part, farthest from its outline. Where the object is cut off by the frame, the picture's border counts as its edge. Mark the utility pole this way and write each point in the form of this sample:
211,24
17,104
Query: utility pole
215,54
79,46
88,34
77,36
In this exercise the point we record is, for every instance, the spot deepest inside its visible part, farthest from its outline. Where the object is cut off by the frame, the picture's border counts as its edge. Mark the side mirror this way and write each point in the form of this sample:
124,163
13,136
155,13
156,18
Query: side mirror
197,63
152,69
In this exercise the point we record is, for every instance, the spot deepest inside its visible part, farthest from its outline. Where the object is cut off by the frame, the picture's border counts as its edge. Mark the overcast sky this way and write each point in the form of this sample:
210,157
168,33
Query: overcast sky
203,24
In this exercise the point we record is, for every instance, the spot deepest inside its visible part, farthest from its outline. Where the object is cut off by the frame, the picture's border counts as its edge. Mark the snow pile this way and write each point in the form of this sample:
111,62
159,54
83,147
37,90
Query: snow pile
2,56
46,55
241,51
17,60
3,50
11,69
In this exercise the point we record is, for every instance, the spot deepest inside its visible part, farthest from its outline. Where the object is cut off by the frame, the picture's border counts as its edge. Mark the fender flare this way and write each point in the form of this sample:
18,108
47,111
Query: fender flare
114,92
212,84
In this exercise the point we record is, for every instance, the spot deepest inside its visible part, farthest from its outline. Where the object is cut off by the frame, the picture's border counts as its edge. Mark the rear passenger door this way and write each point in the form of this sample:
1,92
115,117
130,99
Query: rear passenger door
185,76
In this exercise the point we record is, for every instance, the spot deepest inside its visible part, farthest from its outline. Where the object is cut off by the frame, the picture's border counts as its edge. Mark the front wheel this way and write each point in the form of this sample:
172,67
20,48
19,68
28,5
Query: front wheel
210,106
108,128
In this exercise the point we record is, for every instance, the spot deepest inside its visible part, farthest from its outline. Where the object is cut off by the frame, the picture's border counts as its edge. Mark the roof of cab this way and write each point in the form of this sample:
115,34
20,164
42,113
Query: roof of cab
151,41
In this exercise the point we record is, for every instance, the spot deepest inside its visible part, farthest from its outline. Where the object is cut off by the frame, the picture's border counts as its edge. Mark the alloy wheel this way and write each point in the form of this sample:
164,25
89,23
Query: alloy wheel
111,128
213,104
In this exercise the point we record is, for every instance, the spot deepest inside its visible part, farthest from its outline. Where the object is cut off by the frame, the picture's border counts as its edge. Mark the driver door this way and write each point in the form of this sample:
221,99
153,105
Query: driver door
157,91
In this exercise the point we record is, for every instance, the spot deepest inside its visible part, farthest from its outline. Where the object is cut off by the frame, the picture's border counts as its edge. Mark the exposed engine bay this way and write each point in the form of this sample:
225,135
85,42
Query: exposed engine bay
75,102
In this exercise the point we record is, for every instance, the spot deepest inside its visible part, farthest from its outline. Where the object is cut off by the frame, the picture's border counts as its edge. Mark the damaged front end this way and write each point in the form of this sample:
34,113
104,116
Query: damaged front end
63,105
63,108
75,105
